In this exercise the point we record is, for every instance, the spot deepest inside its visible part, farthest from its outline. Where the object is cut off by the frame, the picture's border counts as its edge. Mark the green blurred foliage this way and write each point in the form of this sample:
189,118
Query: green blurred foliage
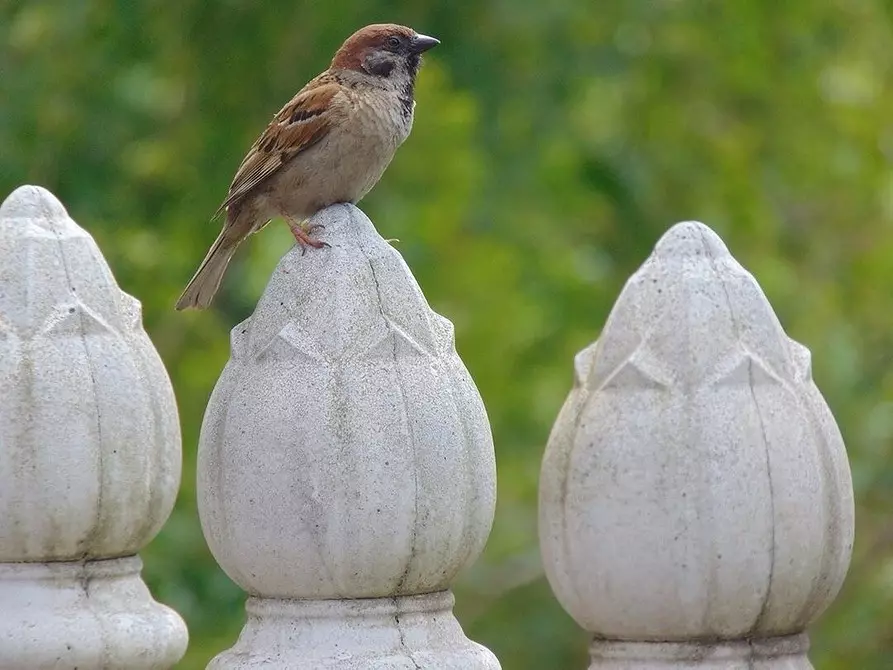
553,144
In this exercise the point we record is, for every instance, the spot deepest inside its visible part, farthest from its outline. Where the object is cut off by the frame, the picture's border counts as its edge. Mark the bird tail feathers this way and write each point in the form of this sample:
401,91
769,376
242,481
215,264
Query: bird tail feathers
200,290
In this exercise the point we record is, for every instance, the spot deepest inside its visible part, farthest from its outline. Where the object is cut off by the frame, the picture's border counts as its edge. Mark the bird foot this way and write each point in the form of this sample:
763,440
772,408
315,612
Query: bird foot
303,237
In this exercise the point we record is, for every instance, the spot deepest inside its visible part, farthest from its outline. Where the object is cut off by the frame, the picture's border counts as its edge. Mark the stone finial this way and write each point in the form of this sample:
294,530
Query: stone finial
89,453
696,506
345,469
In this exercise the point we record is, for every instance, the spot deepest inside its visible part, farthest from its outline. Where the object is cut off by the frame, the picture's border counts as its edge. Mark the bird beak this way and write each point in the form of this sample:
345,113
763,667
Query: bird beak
421,43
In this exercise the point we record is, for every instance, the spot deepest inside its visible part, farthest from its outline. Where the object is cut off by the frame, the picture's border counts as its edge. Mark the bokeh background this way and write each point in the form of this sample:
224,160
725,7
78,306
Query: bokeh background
554,143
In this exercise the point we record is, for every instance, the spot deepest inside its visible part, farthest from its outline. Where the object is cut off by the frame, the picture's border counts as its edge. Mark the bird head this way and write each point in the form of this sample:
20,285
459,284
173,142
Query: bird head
384,50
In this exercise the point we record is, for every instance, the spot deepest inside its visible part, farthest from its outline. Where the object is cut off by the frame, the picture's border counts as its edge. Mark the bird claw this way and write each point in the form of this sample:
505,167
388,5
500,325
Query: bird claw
316,244
303,238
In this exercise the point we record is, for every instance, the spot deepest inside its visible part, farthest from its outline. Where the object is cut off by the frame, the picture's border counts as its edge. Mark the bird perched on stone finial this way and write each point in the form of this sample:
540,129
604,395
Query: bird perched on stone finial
329,144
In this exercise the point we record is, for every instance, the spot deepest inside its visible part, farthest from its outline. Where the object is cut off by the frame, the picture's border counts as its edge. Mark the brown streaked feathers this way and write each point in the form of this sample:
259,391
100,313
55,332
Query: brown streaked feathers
330,143
303,122
306,118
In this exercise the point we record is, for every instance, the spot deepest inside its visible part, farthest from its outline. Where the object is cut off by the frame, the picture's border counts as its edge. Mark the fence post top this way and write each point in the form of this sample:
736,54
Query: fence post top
32,202
690,238
89,452
345,464
695,485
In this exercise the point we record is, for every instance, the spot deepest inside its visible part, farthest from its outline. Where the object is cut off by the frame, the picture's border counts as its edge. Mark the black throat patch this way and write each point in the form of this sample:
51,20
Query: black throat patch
406,97
413,63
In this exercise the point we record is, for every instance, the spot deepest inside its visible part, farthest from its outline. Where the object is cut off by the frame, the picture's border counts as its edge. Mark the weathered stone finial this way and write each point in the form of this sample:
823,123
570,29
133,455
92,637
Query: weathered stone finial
696,506
346,470
89,453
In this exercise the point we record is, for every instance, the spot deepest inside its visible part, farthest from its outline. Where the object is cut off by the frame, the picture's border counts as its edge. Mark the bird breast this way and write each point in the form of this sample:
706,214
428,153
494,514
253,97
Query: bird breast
379,126
348,161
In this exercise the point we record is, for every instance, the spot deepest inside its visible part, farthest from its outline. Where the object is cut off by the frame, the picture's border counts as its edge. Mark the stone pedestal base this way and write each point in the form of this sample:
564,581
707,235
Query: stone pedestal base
776,653
87,615
407,633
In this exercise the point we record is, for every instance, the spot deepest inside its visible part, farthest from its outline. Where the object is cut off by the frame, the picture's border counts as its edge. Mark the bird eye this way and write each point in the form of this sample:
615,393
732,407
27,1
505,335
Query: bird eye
393,42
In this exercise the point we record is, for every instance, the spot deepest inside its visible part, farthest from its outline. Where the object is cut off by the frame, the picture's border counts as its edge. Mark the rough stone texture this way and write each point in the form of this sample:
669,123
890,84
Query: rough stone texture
88,615
346,453
403,633
89,453
695,485
774,653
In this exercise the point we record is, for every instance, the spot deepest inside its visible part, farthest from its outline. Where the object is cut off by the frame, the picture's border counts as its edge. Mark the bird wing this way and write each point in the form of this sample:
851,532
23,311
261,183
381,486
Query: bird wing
301,123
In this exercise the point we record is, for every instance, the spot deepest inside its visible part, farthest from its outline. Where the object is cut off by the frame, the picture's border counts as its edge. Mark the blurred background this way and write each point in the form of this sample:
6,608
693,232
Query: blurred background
554,142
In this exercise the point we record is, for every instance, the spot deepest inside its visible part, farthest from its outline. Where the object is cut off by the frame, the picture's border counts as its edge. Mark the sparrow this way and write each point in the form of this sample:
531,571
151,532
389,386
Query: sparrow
329,144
